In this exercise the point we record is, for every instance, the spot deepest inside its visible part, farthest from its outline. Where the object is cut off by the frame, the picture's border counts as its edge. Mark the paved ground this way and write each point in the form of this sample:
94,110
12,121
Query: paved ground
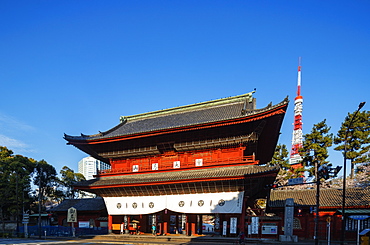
127,240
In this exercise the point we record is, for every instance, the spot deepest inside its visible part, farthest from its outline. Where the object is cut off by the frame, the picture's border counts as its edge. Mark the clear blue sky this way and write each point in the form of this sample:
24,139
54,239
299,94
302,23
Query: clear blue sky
77,66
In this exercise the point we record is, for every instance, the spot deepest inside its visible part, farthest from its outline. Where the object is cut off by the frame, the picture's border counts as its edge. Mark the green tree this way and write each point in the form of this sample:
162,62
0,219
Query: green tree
5,190
281,159
355,133
68,179
47,181
315,147
15,183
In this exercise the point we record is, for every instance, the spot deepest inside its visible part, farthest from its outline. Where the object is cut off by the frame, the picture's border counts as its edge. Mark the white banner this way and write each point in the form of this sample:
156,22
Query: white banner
135,205
254,225
226,202
233,225
224,228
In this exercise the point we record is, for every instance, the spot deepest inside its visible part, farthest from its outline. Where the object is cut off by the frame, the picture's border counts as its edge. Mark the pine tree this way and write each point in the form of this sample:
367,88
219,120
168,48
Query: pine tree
315,147
281,159
358,138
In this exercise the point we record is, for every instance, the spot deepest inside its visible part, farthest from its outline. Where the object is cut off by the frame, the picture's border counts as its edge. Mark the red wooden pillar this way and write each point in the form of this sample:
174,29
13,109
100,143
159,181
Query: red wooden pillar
187,225
165,227
166,220
128,224
193,228
110,223
192,224
242,217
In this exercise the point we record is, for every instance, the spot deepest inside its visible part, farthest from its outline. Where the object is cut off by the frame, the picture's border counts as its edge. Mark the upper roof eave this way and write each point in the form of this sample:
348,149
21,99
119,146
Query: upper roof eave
176,111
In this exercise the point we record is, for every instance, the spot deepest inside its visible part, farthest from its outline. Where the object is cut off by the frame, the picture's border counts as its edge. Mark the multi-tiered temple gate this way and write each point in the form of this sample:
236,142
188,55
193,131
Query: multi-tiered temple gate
172,166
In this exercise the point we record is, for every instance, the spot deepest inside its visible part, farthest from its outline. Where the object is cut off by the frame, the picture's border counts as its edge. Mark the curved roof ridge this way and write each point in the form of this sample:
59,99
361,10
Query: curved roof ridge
195,106
185,109
268,107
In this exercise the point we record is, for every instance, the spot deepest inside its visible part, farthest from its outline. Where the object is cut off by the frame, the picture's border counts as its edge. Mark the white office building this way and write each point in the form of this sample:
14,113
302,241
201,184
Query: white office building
89,167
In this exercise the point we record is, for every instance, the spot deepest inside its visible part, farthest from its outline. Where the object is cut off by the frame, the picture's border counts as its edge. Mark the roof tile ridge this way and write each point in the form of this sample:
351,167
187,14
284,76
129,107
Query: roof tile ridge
270,106
217,102
186,108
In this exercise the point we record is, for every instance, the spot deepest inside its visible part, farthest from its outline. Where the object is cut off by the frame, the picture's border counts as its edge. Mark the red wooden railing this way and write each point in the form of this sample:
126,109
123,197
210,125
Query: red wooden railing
168,164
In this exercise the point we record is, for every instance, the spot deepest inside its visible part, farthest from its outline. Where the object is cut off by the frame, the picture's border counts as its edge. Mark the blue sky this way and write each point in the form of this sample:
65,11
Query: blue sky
77,66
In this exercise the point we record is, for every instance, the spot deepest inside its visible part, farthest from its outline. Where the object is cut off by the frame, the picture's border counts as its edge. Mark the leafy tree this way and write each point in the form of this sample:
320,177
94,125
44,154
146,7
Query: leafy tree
315,147
68,179
281,159
47,181
14,183
5,191
356,136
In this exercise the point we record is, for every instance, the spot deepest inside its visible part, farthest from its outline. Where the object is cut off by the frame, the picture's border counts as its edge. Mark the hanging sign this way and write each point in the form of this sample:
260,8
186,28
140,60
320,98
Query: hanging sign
224,228
72,215
295,181
26,218
359,217
254,225
328,219
233,224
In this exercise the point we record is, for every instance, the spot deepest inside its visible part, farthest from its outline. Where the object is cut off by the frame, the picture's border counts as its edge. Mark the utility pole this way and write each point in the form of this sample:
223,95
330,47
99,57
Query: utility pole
17,200
343,233
317,176
40,193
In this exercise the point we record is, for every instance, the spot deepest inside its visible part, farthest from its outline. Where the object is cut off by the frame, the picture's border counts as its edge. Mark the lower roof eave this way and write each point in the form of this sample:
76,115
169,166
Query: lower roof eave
169,182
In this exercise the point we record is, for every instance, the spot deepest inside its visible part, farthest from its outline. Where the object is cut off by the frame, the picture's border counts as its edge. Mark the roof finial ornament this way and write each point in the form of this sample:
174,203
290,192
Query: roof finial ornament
122,119
248,100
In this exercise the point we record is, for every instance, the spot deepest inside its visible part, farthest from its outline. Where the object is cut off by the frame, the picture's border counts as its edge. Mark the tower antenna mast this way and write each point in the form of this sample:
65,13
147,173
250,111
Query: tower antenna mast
297,139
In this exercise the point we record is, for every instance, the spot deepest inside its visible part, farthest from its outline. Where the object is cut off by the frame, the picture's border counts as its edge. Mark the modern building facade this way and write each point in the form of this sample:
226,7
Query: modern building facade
171,167
89,166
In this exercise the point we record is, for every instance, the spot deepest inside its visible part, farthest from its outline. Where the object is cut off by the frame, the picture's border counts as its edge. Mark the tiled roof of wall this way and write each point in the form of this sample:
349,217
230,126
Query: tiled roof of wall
84,204
328,197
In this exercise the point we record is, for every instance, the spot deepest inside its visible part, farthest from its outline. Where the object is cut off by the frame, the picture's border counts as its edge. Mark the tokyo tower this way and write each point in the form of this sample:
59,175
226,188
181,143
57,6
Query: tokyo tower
297,139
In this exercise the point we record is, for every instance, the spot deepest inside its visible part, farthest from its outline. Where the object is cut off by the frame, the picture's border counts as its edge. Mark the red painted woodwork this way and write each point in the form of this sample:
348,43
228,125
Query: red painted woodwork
145,152
110,223
186,159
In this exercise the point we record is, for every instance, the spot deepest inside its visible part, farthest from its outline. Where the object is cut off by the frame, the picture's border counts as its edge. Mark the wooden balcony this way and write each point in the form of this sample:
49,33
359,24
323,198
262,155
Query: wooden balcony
173,165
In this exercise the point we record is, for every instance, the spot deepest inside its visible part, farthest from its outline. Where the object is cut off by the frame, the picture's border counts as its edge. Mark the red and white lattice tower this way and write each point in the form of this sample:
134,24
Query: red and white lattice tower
297,140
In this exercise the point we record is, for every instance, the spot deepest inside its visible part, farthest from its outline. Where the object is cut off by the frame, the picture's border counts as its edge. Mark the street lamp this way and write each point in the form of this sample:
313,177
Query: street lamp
317,180
344,173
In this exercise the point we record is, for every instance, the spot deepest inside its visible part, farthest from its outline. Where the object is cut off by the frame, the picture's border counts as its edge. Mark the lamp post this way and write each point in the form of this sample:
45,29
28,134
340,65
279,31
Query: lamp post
317,176
344,173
